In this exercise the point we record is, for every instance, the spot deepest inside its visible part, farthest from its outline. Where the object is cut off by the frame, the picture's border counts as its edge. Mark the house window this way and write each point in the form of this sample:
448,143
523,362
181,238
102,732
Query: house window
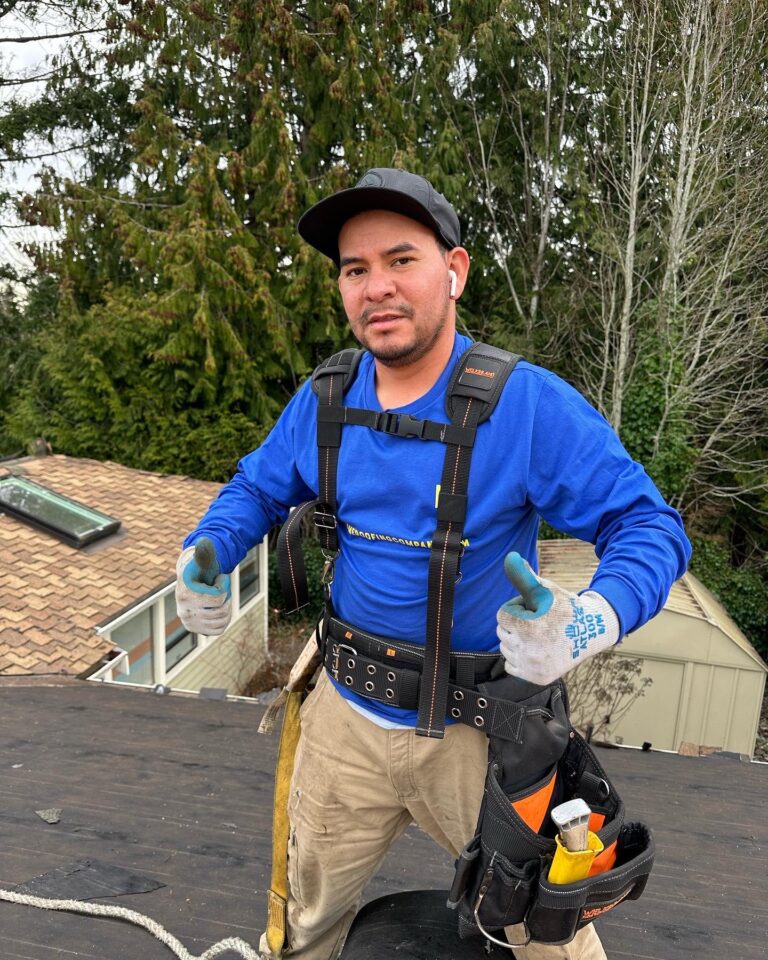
178,640
250,576
135,637
157,642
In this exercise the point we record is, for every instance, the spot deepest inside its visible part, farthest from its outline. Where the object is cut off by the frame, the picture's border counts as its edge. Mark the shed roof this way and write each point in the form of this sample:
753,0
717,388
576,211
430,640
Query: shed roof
52,597
571,563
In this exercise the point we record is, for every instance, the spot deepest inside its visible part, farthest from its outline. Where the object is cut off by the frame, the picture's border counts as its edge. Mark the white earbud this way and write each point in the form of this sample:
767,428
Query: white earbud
454,280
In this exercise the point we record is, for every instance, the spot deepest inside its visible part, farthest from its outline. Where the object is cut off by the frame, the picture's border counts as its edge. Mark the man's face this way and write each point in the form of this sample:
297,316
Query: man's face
394,284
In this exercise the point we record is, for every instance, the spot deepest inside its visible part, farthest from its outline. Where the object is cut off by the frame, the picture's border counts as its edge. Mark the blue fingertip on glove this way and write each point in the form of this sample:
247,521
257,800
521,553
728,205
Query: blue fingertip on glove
534,600
203,571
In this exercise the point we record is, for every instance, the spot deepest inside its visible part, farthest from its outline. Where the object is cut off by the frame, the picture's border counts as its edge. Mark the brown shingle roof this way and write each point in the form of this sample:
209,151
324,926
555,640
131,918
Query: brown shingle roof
52,596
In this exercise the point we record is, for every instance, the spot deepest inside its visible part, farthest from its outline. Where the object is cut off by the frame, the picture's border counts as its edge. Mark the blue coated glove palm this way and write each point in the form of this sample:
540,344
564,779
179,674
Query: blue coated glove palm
546,631
203,593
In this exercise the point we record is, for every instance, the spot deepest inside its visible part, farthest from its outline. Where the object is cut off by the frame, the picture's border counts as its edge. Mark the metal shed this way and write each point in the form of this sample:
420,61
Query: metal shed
707,679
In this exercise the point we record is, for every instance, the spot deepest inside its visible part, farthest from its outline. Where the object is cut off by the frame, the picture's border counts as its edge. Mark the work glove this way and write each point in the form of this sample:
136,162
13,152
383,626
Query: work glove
203,593
546,631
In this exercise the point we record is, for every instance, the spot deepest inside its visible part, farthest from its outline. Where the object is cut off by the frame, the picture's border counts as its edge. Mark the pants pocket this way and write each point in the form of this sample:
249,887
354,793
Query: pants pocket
313,835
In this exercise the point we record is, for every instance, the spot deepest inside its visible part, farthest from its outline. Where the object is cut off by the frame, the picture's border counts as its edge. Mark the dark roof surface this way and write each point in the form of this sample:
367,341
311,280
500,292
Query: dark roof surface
179,790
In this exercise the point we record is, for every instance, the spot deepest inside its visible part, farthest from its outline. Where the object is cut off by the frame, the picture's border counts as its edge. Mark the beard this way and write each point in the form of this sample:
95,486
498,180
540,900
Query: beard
401,352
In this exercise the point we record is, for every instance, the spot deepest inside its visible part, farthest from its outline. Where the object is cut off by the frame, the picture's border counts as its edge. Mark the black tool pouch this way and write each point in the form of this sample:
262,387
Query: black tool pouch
501,875
559,910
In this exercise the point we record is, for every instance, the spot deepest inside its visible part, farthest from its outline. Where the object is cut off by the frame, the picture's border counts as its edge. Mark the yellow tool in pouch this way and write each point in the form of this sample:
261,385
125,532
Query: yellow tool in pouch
571,865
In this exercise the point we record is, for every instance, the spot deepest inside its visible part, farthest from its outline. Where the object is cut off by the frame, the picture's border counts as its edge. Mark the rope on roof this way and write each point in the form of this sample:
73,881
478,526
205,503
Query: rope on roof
132,916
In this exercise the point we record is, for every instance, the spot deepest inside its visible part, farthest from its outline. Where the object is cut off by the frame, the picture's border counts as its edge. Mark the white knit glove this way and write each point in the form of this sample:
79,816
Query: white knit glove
546,631
203,593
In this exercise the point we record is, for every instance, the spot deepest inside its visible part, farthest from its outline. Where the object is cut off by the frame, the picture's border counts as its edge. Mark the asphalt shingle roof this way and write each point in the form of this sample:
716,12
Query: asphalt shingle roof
53,596
179,790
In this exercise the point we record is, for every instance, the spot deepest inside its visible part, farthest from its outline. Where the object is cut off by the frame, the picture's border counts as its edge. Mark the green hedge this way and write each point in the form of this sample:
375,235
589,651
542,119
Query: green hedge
314,563
743,591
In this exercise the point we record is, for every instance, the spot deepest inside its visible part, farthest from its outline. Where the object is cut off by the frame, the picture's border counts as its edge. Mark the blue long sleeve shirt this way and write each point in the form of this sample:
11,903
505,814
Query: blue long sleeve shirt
544,452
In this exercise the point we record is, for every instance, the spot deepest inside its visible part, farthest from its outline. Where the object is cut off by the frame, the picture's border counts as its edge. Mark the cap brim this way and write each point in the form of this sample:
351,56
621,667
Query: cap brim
322,223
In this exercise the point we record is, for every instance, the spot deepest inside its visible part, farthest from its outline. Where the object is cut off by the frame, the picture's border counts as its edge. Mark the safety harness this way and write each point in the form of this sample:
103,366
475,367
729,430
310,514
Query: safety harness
536,760
407,675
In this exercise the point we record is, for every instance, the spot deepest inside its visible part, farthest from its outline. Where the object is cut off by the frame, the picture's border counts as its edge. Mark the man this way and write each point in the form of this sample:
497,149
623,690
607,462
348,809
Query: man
361,776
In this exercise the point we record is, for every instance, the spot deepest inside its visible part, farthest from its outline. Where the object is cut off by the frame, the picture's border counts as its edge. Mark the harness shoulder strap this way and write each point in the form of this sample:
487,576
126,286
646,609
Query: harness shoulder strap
474,391
345,363
481,373
331,379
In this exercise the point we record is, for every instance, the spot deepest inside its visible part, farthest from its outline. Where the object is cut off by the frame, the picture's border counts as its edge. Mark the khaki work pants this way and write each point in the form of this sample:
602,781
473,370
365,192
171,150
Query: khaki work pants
355,788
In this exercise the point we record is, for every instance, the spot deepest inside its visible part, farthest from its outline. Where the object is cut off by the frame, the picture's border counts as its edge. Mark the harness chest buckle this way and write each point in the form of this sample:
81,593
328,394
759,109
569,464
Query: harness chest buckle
408,426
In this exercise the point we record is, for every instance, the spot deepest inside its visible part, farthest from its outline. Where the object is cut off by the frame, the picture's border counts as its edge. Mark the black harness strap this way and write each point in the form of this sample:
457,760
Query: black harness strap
397,424
444,557
473,393
331,380
290,560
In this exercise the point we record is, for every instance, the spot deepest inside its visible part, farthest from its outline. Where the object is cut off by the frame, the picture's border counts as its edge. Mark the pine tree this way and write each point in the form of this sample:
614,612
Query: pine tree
188,299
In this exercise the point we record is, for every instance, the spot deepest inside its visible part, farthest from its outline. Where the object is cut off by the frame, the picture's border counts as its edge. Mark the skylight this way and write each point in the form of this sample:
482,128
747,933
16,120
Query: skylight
70,521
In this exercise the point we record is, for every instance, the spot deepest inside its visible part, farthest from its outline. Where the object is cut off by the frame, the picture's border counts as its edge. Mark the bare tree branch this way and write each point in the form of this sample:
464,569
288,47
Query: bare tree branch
51,36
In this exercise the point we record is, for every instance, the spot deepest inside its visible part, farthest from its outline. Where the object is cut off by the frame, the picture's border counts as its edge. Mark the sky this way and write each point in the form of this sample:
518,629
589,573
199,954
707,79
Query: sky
19,60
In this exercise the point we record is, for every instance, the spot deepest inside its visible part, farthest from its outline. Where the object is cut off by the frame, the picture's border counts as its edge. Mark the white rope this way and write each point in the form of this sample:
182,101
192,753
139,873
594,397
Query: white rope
102,910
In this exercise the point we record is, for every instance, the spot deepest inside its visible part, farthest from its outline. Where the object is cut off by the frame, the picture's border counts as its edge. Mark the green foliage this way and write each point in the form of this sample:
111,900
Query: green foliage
23,319
663,443
743,590
546,532
188,302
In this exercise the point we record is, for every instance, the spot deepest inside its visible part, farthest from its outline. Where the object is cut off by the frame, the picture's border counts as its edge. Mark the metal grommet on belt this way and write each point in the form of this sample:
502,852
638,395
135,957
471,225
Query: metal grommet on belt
458,695
348,681
389,693
455,712
371,669
351,664
482,703
368,685
391,677
479,721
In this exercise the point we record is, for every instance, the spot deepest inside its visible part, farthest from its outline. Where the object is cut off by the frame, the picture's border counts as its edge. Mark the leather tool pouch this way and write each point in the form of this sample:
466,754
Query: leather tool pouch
501,875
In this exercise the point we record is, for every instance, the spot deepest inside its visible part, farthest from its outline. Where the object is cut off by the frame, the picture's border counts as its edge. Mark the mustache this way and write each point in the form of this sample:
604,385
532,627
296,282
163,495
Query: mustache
401,310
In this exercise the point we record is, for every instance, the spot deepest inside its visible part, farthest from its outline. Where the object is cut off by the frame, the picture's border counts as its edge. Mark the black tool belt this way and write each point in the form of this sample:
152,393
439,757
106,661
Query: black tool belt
391,671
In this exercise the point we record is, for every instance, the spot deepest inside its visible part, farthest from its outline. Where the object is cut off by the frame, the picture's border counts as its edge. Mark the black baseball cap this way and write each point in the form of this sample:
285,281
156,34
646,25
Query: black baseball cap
382,188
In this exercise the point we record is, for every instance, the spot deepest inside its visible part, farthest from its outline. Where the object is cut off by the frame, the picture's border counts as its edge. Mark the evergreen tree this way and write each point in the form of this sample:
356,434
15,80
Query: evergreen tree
187,297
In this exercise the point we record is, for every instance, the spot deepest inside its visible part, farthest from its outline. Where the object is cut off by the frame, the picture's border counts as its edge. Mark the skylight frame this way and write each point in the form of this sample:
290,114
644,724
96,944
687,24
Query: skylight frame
72,538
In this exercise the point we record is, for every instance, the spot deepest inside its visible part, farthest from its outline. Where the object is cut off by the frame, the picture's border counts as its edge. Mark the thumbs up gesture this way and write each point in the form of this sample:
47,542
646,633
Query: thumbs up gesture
545,631
203,592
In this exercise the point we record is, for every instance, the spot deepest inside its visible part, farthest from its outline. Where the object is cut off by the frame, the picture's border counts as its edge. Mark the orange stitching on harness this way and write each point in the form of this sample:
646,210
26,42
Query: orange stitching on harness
325,449
290,558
